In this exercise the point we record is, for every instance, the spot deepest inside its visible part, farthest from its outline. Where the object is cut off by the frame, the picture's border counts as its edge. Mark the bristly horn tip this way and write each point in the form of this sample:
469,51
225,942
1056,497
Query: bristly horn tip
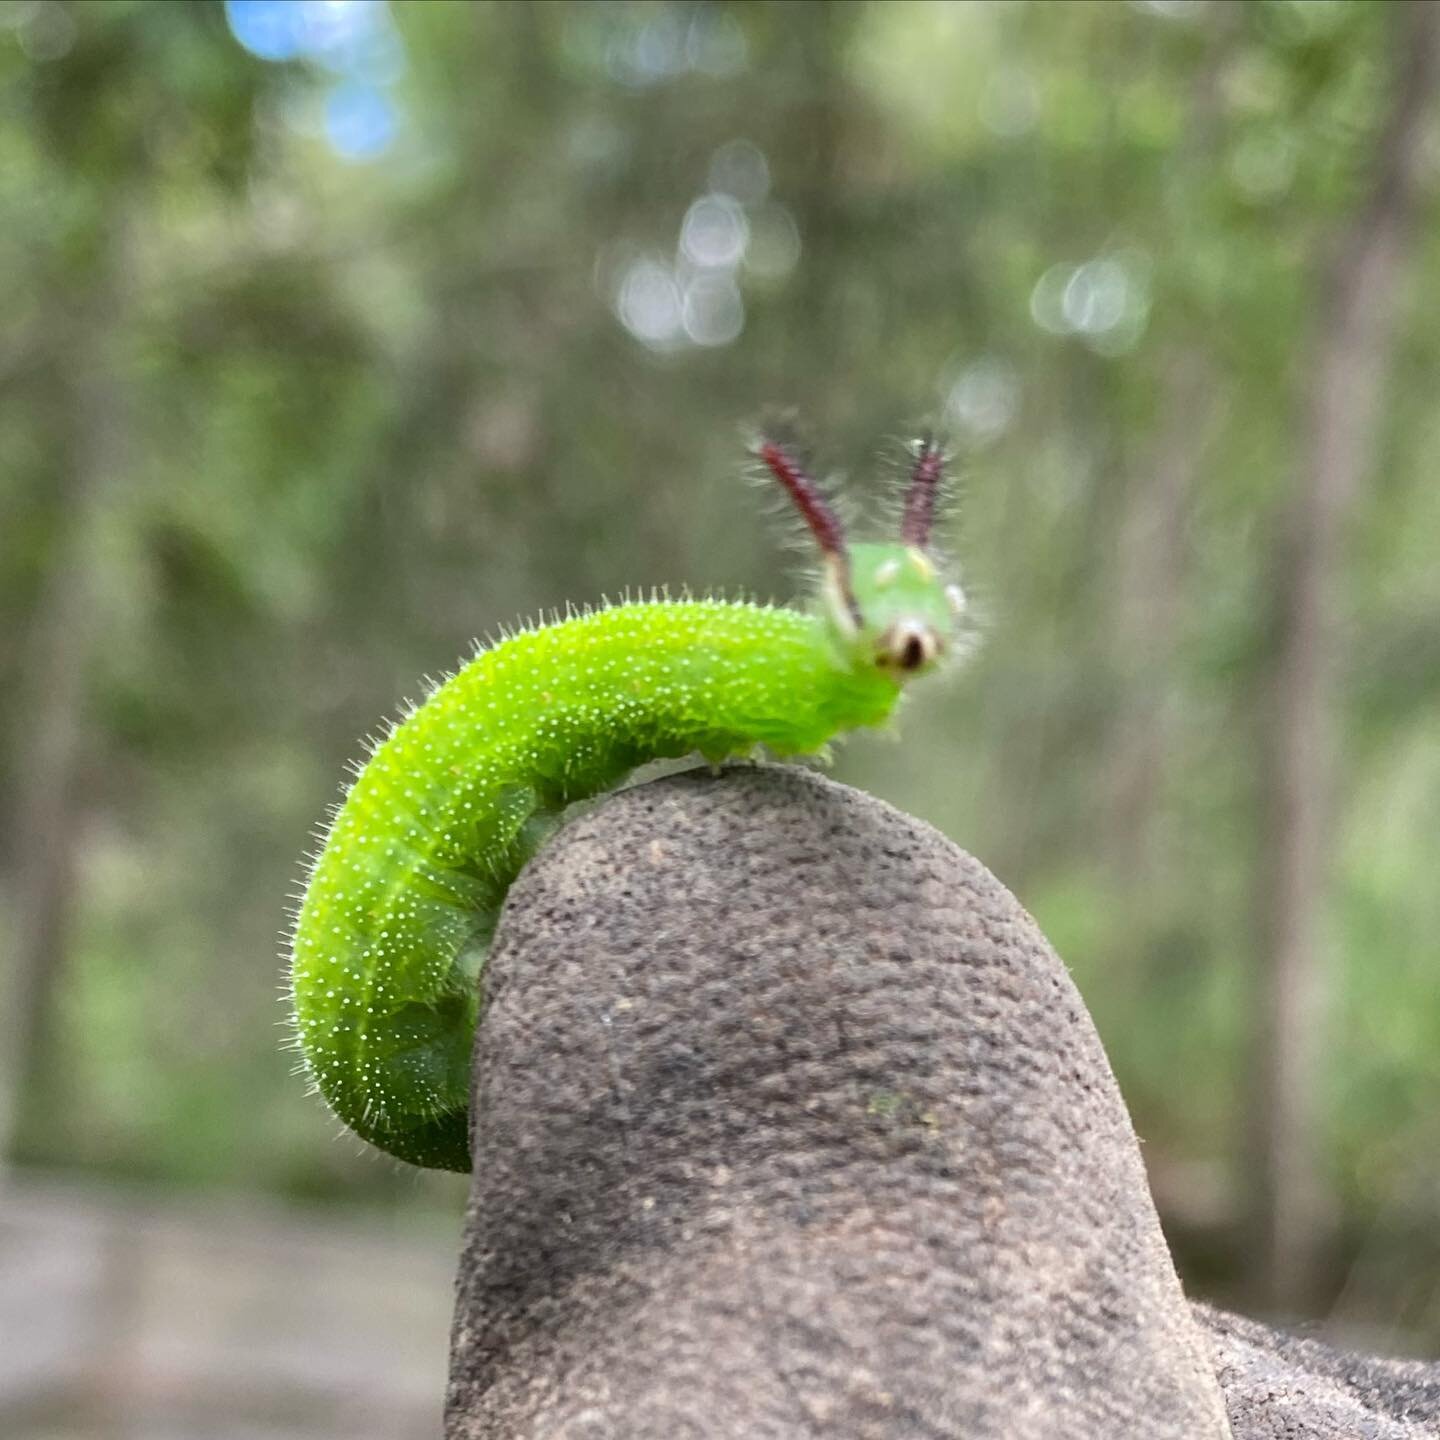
920,497
816,512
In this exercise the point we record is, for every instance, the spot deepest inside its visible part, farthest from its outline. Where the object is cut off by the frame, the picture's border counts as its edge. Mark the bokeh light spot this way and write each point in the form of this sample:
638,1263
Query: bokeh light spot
1047,299
1105,301
1094,297
649,52
715,44
648,303
43,32
741,170
355,40
713,312
360,121
714,233
983,398
270,29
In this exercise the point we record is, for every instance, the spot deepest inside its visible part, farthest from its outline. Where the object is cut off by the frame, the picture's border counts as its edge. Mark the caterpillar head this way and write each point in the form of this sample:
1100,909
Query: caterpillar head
888,605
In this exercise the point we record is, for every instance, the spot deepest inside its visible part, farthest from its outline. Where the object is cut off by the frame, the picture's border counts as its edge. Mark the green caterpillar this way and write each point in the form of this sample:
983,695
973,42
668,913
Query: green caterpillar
400,904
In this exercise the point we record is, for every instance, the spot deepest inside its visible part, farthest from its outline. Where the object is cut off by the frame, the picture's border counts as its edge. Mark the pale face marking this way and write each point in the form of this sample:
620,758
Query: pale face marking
909,645
838,601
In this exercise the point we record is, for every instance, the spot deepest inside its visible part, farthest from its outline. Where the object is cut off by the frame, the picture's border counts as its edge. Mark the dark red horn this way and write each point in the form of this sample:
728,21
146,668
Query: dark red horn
920,497
816,512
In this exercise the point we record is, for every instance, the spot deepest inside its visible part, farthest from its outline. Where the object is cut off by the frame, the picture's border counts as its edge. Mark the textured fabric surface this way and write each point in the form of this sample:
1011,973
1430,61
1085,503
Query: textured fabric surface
790,1123
1281,1387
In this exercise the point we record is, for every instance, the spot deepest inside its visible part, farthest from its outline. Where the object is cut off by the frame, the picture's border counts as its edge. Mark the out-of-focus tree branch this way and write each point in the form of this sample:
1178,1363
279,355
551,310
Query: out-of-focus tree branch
66,624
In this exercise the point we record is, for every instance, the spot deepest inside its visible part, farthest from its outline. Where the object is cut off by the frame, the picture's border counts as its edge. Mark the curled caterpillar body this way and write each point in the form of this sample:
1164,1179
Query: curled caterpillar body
391,936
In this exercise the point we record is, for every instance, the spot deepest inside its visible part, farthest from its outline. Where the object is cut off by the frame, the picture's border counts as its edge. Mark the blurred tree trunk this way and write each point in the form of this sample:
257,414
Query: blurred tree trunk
813,162
1151,569
1151,560
65,627
1352,352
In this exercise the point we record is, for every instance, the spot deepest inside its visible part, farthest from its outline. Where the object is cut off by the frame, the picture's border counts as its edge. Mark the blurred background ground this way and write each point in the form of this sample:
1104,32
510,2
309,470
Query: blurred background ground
336,333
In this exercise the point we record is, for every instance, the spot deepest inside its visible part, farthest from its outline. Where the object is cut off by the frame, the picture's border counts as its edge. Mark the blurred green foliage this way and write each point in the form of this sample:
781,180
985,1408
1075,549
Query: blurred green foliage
303,425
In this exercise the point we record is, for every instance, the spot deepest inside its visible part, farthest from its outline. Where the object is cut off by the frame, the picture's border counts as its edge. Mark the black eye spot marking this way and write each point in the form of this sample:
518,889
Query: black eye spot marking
907,646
